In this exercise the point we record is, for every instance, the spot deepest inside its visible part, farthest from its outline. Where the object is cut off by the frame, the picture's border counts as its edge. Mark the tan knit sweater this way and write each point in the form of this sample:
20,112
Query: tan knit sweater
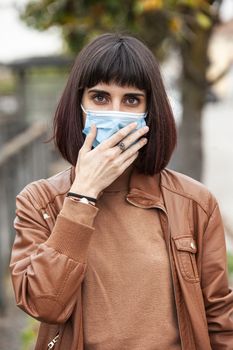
128,300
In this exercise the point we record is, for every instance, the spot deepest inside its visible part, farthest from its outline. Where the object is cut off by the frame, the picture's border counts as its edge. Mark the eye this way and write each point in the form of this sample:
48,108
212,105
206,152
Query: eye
132,100
99,98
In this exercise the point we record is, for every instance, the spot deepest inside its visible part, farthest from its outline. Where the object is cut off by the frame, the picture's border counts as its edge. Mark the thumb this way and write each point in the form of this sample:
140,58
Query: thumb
90,138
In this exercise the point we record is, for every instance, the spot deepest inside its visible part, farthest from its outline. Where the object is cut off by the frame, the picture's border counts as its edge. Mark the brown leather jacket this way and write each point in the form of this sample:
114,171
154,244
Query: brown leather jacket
48,260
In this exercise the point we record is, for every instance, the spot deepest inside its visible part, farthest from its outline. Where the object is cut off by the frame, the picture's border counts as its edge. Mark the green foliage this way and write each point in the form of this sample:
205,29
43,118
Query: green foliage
7,87
7,83
154,20
79,20
203,20
230,263
29,334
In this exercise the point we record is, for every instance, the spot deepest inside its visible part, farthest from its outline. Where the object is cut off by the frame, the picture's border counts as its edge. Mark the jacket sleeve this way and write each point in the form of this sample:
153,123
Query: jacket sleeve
218,297
47,268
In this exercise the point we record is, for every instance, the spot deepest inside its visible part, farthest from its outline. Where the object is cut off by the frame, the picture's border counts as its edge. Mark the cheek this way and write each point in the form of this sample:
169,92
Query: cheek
145,105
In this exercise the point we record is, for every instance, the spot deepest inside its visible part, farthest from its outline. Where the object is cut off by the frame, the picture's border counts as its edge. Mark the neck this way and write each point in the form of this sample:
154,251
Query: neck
122,182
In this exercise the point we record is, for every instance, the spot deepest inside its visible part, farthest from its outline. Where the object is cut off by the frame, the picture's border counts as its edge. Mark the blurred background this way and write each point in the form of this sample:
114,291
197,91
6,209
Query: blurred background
39,39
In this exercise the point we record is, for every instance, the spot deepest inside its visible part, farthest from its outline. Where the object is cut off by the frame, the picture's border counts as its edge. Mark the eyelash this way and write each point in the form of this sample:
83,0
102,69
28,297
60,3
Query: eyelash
96,96
93,97
133,97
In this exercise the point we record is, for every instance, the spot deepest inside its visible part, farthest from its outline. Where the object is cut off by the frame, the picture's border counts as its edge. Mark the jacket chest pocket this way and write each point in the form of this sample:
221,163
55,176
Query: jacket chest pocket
185,250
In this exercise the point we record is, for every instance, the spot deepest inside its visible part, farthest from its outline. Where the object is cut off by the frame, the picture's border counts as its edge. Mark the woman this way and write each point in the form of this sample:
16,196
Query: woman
118,252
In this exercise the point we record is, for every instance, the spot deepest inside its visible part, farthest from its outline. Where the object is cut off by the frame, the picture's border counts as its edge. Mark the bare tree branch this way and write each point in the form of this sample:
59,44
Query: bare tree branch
221,75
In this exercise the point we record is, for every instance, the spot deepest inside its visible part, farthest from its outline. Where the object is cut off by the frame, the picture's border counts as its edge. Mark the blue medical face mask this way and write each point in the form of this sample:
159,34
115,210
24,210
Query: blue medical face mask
109,122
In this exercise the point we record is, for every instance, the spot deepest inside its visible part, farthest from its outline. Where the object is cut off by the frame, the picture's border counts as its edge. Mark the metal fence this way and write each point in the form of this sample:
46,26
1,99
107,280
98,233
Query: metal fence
23,159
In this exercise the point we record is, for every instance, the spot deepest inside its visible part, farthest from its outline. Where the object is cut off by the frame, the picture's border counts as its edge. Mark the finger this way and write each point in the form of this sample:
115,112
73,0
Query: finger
132,138
128,162
87,145
118,136
132,150
135,136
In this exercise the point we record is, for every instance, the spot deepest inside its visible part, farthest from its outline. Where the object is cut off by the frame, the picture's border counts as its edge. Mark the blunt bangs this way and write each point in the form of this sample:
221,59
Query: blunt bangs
125,61
115,63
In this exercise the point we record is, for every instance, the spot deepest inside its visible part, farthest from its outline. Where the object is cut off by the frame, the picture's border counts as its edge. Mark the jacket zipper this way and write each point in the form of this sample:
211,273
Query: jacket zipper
52,343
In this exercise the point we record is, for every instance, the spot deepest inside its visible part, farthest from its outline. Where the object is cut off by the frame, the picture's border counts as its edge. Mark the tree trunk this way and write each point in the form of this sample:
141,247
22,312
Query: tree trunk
188,158
189,154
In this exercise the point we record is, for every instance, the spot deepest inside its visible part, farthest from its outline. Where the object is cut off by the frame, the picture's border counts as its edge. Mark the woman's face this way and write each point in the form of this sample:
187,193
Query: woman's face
112,97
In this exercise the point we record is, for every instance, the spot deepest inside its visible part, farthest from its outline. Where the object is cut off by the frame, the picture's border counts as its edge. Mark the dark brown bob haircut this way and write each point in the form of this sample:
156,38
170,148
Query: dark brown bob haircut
124,60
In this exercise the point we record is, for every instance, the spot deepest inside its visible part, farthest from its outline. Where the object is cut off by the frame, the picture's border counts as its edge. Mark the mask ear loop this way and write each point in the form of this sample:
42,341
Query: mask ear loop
83,109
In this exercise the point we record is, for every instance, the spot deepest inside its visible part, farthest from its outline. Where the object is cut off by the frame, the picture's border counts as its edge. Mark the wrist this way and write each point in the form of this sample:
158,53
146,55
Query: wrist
83,200
77,195
85,192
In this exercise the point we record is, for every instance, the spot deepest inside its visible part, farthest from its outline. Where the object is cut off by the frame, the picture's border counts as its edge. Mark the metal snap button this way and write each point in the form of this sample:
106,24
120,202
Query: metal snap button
192,245
46,216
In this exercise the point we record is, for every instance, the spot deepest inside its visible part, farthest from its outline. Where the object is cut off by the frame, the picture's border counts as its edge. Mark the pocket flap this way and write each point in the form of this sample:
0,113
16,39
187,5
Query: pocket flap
186,244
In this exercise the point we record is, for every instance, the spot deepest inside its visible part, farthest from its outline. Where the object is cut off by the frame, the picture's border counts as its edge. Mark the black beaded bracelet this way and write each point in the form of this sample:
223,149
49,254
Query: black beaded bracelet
72,194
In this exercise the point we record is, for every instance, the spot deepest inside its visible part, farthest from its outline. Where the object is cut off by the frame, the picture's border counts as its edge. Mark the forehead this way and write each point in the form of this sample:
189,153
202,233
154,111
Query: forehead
113,88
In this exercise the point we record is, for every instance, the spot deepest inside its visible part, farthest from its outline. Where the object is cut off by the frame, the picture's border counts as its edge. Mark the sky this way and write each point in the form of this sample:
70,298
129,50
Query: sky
19,41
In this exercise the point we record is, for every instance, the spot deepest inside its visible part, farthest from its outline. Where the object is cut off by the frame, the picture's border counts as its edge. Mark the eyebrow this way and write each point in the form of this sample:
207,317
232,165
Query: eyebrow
107,93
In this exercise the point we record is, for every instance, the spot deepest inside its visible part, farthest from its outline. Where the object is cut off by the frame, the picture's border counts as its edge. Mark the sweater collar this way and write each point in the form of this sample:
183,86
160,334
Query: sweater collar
144,190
